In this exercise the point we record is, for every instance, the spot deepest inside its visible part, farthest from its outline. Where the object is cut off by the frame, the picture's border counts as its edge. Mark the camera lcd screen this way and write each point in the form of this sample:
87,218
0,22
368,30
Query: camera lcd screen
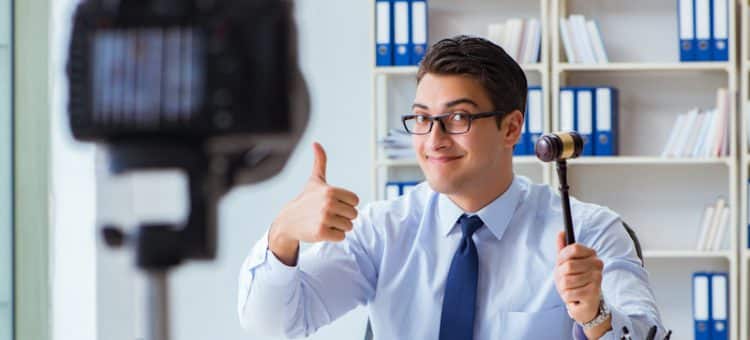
146,77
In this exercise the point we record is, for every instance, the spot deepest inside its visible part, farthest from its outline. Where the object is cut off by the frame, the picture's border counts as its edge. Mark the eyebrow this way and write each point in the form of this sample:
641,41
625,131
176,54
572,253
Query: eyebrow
448,104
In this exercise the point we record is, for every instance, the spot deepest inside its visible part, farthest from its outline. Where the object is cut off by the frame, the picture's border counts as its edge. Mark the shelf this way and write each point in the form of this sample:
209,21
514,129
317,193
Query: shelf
539,67
689,66
412,70
593,160
685,254
396,70
413,162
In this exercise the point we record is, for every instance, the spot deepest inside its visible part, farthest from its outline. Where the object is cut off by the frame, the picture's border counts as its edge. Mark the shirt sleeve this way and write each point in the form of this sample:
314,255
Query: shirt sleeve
329,280
625,282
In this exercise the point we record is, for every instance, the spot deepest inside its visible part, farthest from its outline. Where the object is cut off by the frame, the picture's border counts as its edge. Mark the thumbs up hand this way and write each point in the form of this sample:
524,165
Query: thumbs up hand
320,212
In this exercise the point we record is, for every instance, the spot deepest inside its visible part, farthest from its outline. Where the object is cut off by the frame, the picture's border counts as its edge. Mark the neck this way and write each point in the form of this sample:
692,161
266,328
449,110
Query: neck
484,192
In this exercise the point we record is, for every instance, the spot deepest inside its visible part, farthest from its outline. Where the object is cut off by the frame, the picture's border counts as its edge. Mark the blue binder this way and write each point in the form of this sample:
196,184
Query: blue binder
703,29
606,121
702,306
567,109
719,309
584,118
383,33
686,29
401,23
720,46
418,35
534,119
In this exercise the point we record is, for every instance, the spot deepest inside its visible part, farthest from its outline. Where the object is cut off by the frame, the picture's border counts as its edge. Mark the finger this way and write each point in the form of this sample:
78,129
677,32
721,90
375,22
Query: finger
344,210
575,281
579,295
578,266
332,234
575,251
339,223
319,167
560,241
346,196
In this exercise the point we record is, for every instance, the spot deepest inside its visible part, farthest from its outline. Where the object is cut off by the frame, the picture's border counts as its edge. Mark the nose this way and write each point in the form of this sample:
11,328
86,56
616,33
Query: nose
438,139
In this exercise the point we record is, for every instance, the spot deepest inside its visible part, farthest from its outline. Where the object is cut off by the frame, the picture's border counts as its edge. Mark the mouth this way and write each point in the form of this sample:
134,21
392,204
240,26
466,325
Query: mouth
441,159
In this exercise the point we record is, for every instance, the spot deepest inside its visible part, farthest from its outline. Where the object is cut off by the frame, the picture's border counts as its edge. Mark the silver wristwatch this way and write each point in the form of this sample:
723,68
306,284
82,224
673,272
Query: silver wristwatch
602,316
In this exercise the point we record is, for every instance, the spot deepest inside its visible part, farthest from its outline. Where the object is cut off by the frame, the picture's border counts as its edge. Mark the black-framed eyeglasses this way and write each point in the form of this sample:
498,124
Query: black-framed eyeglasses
454,123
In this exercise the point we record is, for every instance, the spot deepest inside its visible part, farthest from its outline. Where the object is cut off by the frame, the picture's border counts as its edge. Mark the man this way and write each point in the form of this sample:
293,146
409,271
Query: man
475,252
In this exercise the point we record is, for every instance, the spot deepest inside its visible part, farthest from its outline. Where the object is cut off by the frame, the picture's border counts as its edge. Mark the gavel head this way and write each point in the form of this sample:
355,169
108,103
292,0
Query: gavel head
558,146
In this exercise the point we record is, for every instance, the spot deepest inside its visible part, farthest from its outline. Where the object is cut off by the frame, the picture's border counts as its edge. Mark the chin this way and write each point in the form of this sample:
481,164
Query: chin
443,186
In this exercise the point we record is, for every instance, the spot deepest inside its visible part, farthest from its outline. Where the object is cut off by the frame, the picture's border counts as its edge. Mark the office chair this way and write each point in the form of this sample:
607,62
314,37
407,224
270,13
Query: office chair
631,233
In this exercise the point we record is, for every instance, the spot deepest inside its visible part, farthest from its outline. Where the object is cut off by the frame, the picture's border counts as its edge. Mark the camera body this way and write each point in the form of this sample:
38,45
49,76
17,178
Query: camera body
207,87
180,69
218,77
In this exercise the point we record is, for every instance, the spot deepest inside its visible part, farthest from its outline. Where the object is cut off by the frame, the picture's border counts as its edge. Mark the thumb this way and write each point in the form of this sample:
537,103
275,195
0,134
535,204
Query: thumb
560,240
319,167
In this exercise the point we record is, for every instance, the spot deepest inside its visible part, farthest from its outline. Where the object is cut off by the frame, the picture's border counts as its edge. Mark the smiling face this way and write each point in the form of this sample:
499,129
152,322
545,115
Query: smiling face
471,164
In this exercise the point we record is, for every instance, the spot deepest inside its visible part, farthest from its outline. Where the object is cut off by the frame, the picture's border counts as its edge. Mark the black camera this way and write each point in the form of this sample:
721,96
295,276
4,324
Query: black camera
181,69
207,87
218,76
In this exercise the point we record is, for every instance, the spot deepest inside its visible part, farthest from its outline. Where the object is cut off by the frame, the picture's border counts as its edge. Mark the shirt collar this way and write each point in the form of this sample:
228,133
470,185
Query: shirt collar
495,215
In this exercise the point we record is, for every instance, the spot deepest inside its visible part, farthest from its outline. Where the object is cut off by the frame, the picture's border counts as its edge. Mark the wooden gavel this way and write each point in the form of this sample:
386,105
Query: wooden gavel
559,147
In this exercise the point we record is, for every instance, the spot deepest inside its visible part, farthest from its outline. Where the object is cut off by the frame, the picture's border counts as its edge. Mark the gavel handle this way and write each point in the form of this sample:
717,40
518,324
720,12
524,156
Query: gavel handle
562,173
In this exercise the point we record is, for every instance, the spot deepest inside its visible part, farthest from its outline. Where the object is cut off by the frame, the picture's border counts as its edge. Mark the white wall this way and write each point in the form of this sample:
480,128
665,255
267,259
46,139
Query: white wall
335,59
73,202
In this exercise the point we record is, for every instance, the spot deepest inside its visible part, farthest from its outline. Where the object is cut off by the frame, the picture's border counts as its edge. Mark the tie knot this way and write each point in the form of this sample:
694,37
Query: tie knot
470,224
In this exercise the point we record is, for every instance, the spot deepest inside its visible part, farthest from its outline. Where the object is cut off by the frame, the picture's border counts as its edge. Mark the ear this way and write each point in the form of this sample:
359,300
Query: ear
511,128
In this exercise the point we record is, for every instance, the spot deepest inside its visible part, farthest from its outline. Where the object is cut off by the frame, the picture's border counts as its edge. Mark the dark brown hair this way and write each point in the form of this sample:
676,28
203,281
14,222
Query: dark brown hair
500,75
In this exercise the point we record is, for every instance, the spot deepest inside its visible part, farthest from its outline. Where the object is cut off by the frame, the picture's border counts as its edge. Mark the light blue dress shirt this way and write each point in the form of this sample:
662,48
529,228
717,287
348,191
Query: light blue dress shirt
397,257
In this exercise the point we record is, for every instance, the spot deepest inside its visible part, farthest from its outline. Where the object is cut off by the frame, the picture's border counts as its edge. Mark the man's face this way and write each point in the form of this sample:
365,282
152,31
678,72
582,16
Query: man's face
456,164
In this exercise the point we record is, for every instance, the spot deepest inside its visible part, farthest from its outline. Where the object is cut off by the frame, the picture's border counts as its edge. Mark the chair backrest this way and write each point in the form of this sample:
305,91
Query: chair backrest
631,233
636,243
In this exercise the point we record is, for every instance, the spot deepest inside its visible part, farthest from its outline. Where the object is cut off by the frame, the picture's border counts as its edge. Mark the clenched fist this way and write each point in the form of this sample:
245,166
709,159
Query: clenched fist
578,278
320,213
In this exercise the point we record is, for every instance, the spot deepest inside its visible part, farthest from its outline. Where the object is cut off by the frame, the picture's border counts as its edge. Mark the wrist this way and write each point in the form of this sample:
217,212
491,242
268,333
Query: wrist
599,331
600,324
283,246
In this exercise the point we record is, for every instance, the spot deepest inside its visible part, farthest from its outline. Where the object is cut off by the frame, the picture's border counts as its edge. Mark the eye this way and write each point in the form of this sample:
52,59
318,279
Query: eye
459,116
421,119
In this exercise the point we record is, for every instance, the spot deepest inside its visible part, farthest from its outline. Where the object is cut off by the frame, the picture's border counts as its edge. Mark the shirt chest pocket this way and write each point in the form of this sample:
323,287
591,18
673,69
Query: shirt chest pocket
552,324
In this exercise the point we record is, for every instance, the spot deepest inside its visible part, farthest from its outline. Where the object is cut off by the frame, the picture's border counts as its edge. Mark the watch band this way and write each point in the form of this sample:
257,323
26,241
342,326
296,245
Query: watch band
600,318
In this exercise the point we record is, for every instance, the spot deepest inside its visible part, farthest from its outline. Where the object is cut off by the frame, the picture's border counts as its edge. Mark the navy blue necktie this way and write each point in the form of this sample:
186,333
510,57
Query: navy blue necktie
457,319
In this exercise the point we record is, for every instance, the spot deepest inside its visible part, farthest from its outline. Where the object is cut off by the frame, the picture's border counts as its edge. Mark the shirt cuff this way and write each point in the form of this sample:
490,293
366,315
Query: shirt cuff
619,320
277,271
272,271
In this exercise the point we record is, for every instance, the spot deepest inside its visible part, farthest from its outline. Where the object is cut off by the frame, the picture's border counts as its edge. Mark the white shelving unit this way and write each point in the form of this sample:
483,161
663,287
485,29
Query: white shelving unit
394,87
662,199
